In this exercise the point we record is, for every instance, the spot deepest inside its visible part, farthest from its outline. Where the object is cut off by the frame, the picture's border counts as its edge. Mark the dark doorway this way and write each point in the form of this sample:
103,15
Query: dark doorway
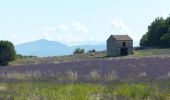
124,44
124,51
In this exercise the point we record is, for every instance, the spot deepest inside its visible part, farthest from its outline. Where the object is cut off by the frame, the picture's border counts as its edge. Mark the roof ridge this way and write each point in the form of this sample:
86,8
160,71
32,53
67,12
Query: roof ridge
121,37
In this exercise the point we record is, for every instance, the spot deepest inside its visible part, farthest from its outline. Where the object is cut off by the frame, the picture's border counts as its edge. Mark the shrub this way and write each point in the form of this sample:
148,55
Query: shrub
79,51
92,51
7,52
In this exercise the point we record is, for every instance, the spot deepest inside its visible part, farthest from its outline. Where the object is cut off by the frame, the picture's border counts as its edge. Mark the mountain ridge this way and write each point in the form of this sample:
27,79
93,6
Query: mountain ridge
44,48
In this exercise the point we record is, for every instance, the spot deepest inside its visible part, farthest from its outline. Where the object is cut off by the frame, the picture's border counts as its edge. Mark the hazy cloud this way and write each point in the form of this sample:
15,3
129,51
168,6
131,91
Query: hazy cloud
63,28
120,28
46,35
74,27
70,33
80,28
72,39
120,25
77,33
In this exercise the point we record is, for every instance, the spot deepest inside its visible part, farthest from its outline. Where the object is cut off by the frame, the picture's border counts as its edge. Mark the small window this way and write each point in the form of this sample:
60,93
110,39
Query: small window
124,44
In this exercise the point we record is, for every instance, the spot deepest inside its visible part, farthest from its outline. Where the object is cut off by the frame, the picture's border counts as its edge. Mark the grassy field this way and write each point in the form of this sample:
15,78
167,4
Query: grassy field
57,59
144,75
151,52
87,56
51,91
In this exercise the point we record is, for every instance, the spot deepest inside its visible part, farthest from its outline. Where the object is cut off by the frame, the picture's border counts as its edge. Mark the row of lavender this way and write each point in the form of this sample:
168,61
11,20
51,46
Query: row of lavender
92,70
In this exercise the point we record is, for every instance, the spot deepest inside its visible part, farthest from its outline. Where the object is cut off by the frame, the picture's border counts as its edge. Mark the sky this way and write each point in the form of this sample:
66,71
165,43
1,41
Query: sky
77,21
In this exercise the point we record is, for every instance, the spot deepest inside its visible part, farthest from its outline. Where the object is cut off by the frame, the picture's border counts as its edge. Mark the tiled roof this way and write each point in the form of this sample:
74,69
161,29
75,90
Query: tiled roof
122,37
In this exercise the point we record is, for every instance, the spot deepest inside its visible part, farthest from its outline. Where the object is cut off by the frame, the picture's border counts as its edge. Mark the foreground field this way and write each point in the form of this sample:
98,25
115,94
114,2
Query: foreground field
115,91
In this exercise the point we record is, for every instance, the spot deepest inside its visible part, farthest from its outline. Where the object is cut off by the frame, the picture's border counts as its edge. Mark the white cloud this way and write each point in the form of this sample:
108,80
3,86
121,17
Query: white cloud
70,33
14,37
76,33
71,39
80,28
63,28
75,27
46,35
120,25
47,32
120,28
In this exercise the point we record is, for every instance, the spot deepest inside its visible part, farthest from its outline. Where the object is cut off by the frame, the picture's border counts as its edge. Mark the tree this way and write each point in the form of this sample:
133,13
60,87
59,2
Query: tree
78,51
144,41
155,31
7,52
157,34
165,40
167,21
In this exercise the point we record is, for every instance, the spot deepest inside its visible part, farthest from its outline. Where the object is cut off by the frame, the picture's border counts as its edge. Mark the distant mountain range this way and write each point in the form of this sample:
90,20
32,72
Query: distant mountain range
44,48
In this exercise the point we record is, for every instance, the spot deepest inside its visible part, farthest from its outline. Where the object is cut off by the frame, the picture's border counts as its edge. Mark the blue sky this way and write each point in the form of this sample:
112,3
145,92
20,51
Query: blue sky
77,21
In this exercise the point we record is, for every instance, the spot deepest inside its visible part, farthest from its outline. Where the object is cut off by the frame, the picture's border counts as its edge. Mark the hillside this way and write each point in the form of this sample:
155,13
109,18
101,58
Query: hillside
42,48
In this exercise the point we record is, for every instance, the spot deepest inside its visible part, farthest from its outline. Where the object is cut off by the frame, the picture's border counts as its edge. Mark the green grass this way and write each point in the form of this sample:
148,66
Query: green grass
87,56
52,91
151,52
57,59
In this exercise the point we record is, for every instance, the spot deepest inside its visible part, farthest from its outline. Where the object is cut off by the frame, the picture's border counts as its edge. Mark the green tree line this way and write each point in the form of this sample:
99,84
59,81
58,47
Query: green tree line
158,34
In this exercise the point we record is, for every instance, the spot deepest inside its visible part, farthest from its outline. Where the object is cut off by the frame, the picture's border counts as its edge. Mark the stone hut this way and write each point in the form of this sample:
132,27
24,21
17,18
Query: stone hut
119,45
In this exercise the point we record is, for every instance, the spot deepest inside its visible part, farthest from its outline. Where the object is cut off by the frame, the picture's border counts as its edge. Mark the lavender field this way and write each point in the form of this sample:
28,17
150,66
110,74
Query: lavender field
149,68
120,78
